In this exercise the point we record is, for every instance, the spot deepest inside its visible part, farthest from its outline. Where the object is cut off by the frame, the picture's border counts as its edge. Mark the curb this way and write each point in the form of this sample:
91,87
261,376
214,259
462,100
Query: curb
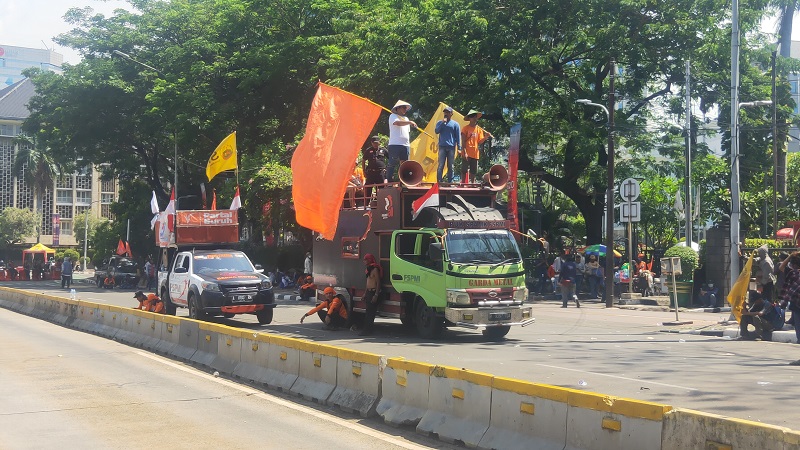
287,297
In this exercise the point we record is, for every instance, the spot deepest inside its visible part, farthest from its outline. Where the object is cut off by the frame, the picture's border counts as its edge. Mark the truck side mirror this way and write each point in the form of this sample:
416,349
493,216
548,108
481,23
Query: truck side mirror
181,270
436,252
259,268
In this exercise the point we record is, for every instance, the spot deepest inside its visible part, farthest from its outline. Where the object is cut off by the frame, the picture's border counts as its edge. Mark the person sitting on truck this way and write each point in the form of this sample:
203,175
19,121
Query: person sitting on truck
308,289
336,316
149,302
374,273
108,282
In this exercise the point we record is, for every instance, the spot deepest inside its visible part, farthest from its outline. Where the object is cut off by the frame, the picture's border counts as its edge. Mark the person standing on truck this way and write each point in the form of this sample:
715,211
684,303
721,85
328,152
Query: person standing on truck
449,132
66,272
472,136
336,310
399,137
374,160
374,273
149,302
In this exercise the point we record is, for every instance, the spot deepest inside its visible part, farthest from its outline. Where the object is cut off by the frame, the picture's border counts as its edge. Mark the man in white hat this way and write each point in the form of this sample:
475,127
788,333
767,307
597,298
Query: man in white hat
472,136
399,137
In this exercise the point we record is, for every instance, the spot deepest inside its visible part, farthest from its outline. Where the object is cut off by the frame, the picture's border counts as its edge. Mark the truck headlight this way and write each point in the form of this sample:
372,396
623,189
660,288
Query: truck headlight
265,285
458,297
209,286
520,295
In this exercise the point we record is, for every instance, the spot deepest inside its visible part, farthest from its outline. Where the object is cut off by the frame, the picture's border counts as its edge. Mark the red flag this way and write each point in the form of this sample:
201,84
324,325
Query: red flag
171,211
128,249
237,202
121,248
213,200
338,123
513,164
431,198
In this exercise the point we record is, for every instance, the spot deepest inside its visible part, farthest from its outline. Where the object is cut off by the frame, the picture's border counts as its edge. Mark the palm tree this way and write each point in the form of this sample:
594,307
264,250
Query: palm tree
786,11
38,170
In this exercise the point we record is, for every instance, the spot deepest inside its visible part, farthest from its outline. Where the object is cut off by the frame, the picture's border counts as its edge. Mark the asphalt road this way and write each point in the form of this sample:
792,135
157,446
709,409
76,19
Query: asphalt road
624,353
62,388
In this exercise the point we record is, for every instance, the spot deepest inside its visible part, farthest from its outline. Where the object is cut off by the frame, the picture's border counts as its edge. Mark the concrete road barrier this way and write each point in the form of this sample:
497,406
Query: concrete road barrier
404,391
187,340
229,349
459,405
603,422
170,334
283,363
688,429
254,359
358,381
316,372
207,343
526,415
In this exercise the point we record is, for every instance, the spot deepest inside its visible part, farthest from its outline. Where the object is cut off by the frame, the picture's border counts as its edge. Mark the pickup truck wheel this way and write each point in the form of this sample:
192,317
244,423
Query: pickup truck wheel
169,307
194,309
496,333
429,324
265,316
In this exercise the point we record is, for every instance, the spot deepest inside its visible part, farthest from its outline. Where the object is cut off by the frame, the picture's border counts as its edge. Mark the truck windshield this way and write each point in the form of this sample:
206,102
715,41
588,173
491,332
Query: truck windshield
232,262
481,247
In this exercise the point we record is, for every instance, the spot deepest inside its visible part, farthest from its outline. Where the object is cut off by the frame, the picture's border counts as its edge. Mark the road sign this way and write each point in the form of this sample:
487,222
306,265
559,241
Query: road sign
629,189
630,212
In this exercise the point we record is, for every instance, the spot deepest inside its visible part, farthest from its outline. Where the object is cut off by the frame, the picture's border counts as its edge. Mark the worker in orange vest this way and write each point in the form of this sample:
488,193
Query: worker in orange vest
336,310
149,302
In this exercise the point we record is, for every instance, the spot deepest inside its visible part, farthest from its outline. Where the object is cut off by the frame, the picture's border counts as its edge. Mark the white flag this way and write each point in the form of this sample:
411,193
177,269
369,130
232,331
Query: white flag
154,204
678,205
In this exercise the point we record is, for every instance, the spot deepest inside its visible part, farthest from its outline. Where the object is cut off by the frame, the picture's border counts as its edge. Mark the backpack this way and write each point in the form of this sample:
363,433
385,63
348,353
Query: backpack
778,318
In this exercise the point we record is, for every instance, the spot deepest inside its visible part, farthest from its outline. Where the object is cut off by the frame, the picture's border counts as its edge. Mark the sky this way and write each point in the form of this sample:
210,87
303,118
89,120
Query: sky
34,23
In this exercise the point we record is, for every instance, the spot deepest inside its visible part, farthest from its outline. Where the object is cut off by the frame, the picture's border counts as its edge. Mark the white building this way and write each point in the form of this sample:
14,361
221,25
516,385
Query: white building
13,60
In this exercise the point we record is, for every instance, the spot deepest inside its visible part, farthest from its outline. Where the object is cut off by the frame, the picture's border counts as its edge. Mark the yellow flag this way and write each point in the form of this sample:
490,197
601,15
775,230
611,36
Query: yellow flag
223,158
424,149
740,289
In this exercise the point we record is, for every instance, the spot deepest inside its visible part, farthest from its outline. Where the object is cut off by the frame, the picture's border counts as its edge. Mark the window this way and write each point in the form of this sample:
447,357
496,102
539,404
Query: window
64,197
66,228
83,197
106,198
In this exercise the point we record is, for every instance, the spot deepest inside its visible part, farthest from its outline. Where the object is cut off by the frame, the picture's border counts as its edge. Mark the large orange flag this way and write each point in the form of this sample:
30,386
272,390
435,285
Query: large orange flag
338,125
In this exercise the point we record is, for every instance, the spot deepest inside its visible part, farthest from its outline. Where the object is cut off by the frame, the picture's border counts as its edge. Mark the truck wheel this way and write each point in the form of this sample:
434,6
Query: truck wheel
169,307
429,324
496,333
265,316
407,321
194,309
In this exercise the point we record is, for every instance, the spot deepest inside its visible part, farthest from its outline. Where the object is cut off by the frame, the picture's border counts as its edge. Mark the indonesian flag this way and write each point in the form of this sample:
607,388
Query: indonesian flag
213,200
431,198
237,202
171,211
121,247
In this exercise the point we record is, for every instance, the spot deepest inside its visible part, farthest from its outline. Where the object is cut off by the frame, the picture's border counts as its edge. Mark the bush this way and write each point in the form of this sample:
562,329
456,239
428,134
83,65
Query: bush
689,261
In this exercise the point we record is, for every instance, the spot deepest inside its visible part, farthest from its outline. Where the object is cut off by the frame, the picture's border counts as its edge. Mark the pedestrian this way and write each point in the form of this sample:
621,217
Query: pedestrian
373,158
336,310
766,276
374,274
399,137
449,132
149,302
762,315
591,273
66,273
150,273
790,294
580,267
472,136
567,281
308,289
307,265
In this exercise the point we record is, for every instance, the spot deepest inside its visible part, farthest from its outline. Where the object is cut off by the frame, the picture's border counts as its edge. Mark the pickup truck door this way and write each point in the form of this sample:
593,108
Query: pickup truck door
179,279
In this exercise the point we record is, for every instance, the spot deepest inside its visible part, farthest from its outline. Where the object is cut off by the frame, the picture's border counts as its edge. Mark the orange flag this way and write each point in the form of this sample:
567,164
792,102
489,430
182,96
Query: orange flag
214,201
128,249
338,124
121,248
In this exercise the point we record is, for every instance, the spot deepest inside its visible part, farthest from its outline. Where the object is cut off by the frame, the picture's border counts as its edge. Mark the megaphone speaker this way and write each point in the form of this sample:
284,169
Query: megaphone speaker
411,173
496,178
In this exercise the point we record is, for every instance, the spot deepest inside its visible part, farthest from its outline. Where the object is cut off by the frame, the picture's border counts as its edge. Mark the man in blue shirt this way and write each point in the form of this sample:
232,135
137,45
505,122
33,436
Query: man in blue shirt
449,132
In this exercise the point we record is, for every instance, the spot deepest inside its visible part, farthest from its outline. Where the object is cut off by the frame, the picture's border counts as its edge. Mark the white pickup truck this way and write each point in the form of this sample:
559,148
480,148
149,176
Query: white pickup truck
216,283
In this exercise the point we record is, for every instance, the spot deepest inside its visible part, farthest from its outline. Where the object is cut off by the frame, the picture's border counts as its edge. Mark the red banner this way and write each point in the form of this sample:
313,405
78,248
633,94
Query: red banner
513,166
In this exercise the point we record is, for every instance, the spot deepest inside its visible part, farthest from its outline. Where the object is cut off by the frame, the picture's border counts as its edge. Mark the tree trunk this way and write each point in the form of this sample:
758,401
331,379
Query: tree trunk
785,30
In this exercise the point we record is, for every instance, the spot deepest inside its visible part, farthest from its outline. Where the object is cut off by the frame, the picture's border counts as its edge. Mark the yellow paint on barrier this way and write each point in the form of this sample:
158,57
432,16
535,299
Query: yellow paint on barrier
208,338
283,356
411,366
527,408
640,409
479,378
611,424
254,346
358,356
317,361
169,327
711,445
457,393
401,377
356,370
544,391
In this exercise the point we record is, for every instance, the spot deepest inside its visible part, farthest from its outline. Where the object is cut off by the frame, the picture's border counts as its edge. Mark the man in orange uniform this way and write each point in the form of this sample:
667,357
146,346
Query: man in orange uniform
149,302
472,136
336,310
308,289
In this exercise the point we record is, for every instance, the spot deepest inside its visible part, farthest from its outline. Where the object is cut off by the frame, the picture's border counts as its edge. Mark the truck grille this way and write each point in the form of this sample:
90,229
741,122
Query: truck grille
491,297
239,290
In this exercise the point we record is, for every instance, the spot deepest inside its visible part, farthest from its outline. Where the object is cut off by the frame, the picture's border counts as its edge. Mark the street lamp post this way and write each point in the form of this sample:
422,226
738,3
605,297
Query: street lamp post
609,269
86,232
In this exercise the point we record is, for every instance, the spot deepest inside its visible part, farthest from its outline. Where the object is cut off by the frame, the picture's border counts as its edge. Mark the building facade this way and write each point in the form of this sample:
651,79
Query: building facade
13,60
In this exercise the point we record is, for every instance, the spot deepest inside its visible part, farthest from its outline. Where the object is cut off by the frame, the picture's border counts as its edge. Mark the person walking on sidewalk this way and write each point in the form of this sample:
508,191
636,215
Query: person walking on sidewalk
567,281
66,273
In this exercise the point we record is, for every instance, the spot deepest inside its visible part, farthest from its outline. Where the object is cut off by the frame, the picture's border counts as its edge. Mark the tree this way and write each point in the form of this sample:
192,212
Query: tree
16,225
38,170
79,230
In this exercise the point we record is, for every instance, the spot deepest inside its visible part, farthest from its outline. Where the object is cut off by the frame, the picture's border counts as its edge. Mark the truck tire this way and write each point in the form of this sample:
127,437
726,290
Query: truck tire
496,333
265,316
169,307
429,324
407,321
194,309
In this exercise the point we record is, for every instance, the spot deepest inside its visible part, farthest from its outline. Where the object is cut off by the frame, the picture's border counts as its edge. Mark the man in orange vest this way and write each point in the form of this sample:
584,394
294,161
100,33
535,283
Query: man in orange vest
149,302
308,289
336,310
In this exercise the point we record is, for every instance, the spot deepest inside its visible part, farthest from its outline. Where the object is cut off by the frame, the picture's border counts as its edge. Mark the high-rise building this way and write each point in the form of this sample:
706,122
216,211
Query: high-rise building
13,60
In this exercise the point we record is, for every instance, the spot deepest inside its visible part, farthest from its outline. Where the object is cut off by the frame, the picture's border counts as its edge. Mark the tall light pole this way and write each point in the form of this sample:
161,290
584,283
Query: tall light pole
609,269
174,132
86,232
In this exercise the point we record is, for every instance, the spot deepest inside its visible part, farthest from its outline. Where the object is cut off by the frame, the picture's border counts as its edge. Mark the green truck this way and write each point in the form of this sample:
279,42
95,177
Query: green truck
453,265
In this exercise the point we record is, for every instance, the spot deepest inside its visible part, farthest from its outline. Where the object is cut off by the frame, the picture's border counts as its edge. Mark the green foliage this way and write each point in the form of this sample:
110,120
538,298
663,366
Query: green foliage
79,230
15,225
689,261
758,242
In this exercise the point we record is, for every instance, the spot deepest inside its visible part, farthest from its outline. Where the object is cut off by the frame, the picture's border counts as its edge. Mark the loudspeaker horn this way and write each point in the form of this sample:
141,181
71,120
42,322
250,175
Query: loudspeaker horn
411,173
496,178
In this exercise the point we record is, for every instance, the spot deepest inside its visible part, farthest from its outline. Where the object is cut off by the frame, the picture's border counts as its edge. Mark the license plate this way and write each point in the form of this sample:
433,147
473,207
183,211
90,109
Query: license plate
500,316
242,298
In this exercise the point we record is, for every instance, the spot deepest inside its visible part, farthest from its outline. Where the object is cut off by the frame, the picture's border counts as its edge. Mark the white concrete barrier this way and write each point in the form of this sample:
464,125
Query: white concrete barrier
229,348
404,391
526,415
316,373
187,340
689,429
170,334
602,422
283,363
254,358
358,381
459,405
207,344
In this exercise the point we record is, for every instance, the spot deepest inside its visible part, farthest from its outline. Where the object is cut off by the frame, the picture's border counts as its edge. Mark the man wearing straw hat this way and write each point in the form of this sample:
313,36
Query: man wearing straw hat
399,137
472,136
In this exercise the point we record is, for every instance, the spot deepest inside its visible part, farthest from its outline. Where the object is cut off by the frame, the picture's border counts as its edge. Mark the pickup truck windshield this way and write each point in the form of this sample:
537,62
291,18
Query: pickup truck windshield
481,247
231,262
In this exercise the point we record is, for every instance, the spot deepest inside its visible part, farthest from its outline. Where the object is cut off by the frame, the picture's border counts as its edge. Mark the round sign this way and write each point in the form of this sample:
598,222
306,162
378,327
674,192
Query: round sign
629,189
